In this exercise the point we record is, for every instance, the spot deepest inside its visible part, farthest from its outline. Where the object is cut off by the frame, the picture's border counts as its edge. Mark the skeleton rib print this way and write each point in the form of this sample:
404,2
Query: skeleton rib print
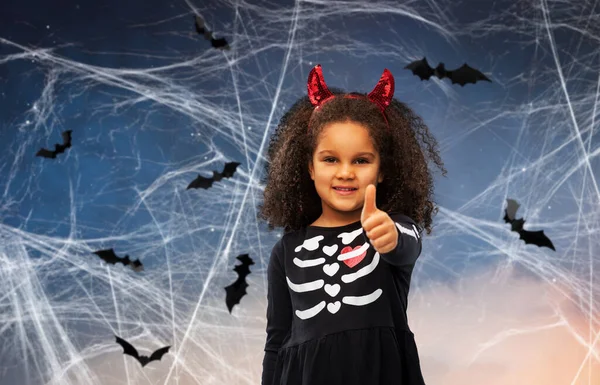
347,255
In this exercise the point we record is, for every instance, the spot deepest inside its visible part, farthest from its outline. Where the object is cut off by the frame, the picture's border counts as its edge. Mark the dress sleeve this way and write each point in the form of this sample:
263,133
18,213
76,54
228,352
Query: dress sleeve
279,312
409,242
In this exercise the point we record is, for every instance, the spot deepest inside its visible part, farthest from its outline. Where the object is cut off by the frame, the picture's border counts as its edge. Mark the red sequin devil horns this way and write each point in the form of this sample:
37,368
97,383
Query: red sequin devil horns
382,94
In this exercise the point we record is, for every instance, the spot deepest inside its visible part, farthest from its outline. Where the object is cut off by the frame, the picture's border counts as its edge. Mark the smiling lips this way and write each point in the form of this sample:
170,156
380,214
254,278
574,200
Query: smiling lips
345,192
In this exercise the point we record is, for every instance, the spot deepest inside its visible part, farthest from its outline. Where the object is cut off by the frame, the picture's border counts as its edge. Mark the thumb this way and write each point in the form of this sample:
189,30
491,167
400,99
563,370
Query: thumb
369,205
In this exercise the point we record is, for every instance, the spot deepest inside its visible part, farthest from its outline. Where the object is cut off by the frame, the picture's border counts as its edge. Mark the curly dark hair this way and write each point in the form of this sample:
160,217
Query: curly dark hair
290,197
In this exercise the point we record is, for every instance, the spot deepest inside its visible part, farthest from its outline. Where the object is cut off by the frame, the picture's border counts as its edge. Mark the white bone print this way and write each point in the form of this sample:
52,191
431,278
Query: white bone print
313,311
353,253
310,244
347,238
348,278
330,270
412,232
330,250
416,231
334,307
332,290
362,300
308,262
304,287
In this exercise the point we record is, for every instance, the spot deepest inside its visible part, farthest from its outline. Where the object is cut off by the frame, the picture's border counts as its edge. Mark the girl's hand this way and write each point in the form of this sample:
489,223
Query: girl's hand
379,227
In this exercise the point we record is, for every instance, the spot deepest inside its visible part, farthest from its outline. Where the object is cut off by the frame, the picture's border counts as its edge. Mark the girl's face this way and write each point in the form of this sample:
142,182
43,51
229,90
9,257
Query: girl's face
345,156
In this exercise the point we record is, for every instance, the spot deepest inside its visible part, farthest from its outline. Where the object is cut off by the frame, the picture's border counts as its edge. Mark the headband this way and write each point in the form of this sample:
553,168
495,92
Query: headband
319,94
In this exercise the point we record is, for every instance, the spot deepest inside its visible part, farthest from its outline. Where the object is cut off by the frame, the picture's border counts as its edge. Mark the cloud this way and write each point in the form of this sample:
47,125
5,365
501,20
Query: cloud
509,331
485,330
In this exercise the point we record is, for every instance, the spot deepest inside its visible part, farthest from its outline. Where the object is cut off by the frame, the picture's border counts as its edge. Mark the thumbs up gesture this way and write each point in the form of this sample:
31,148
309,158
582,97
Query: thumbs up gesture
378,226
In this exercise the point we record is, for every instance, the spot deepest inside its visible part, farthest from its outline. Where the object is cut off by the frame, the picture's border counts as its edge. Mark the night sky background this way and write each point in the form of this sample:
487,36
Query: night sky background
151,105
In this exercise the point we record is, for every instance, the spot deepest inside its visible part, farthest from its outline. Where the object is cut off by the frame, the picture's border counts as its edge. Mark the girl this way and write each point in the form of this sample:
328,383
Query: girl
348,180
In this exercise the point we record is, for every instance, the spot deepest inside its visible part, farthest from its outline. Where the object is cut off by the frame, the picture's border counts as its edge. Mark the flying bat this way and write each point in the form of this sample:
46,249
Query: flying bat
58,148
205,183
237,290
208,35
537,238
462,75
144,360
109,256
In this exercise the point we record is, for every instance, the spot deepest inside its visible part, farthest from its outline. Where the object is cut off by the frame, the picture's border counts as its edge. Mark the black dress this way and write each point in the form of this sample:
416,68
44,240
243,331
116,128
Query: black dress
336,310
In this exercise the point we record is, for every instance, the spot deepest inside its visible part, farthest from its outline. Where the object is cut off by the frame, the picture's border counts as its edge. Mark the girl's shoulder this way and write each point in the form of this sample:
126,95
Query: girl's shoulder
401,218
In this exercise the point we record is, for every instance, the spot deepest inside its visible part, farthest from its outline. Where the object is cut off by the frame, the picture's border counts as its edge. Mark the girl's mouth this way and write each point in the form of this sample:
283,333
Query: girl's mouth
343,191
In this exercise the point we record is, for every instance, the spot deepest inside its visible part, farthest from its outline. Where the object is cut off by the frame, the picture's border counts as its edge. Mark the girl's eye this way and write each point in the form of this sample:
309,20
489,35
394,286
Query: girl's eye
359,159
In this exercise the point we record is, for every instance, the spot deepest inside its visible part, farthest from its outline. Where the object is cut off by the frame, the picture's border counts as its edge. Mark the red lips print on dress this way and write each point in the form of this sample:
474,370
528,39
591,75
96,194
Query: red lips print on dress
353,261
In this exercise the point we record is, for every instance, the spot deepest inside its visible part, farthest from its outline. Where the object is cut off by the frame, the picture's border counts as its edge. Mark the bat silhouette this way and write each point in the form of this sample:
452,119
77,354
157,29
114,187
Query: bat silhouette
58,148
205,183
208,35
462,75
237,290
109,256
537,238
144,360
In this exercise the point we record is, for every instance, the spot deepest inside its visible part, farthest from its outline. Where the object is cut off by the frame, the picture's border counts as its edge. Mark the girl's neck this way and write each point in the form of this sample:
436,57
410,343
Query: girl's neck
320,222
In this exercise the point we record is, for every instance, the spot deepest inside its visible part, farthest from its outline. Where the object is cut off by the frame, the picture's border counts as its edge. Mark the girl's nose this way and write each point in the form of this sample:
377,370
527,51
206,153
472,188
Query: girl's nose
345,171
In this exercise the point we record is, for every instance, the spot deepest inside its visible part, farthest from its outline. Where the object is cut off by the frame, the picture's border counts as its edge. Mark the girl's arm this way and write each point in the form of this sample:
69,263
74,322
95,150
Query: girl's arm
279,312
409,242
